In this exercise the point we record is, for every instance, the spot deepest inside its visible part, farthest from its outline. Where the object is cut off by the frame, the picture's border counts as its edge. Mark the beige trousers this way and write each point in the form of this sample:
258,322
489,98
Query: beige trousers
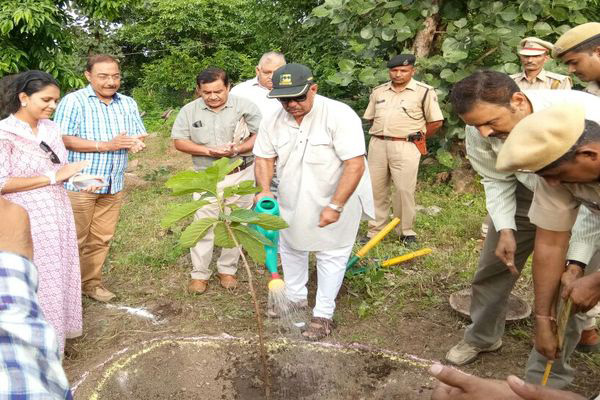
394,162
203,251
96,217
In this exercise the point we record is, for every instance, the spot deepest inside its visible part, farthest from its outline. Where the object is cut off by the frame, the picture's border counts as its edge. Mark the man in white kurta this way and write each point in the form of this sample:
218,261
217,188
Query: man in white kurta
324,186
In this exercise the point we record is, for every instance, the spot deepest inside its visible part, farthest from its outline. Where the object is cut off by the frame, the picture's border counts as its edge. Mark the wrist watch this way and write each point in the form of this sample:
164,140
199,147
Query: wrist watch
335,207
52,176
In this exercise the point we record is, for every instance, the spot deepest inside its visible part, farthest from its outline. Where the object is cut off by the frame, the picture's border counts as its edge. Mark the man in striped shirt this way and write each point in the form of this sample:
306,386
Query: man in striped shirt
493,104
102,126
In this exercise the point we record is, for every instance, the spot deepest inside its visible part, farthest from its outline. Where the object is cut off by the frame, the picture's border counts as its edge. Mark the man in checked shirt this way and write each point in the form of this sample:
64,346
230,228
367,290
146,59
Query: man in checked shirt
492,103
102,126
30,365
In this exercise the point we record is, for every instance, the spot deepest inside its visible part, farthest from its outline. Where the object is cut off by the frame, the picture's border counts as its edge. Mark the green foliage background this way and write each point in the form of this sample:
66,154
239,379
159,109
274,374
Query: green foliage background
165,43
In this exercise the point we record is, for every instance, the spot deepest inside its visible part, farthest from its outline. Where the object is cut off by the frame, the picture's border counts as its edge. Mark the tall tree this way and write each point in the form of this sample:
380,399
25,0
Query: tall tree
452,37
41,34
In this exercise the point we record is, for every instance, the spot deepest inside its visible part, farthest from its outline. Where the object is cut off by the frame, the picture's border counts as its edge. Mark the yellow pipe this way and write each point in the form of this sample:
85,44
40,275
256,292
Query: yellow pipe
405,257
377,238
547,372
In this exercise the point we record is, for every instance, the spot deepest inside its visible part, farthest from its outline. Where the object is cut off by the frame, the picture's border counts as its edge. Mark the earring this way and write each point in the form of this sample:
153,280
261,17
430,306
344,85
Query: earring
23,104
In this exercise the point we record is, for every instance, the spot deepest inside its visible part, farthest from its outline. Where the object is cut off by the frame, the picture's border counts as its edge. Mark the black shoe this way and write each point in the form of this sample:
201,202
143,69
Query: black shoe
408,241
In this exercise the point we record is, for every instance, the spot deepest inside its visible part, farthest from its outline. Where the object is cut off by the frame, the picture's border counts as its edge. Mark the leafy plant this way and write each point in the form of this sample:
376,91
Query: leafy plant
231,227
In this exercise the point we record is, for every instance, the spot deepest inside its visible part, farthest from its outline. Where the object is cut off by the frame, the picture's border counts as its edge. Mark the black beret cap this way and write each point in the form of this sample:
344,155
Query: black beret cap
401,60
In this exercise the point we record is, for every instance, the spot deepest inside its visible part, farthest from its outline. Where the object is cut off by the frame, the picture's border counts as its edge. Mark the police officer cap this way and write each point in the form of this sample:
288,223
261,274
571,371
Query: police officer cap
401,60
575,37
532,46
541,138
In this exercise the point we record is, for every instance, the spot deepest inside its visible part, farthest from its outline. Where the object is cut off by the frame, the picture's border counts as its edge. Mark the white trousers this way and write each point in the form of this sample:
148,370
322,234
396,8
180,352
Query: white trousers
331,267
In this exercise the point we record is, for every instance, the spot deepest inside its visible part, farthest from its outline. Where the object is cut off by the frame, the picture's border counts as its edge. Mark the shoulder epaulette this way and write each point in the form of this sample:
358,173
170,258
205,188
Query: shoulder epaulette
554,75
426,86
382,85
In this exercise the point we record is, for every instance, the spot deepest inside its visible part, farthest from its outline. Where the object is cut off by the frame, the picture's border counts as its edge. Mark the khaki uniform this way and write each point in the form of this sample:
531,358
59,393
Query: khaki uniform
397,115
508,199
544,80
198,123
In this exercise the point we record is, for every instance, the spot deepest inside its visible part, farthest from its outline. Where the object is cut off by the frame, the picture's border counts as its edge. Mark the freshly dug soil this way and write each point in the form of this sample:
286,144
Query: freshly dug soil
224,369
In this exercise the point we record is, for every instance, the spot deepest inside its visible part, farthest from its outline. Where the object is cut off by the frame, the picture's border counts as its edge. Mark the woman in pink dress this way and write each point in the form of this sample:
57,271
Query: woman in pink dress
32,169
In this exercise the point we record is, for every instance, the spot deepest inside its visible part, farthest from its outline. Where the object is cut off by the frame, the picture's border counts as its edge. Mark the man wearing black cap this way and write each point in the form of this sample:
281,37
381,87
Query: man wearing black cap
403,112
324,187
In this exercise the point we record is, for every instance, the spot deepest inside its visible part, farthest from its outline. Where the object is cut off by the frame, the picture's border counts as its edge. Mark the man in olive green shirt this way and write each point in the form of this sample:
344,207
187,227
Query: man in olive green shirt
213,126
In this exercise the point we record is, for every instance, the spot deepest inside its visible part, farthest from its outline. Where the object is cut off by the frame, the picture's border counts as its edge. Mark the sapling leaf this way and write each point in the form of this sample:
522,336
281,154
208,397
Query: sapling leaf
190,181
222,238
181,211
220,168
256,235
242,215
243,188
253,247
271,222
196,231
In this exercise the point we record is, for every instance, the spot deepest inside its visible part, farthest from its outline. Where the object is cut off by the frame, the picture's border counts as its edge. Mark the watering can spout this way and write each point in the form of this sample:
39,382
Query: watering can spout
267,205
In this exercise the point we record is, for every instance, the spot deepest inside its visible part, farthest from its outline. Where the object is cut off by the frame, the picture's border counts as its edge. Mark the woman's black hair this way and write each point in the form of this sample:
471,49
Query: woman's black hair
28,82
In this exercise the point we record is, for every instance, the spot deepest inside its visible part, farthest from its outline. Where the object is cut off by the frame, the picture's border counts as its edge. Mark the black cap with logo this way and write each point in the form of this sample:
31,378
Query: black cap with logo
291,80
401,60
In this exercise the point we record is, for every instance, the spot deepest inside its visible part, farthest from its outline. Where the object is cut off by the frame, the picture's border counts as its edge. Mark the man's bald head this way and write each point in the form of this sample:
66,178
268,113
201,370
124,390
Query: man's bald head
267,64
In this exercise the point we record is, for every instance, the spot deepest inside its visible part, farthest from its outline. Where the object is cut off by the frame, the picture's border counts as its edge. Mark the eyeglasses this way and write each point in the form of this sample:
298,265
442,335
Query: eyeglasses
53,157
298,99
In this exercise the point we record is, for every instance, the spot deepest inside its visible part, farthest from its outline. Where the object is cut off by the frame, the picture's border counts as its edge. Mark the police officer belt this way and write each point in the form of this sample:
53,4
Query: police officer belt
395,139
246,162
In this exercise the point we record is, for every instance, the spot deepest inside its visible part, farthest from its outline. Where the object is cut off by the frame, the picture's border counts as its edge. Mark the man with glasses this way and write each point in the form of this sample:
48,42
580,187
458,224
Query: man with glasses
101,126
324,188
403,113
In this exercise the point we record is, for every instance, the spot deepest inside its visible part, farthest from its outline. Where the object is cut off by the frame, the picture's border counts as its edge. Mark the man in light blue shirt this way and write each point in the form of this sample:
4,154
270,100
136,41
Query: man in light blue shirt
102,126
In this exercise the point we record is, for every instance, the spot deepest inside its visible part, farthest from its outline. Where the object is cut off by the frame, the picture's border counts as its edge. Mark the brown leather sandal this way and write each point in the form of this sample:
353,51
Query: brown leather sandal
318,328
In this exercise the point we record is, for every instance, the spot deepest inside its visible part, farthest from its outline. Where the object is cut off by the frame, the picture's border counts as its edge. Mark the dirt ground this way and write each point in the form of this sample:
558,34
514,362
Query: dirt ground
227,368
186,369
139,347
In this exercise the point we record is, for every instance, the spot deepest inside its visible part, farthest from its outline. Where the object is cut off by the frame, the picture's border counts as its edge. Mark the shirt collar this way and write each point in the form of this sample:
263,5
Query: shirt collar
228,104
541,76
412,85
254,82
89,90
